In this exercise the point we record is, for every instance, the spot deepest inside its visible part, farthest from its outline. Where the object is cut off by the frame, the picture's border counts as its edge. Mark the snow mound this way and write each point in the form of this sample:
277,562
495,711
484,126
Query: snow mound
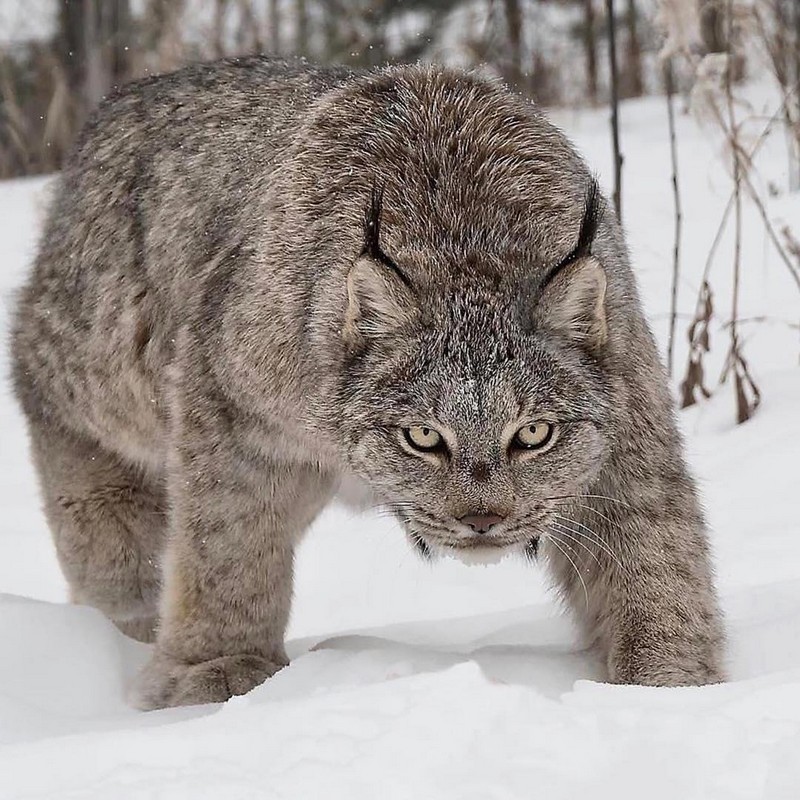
388,711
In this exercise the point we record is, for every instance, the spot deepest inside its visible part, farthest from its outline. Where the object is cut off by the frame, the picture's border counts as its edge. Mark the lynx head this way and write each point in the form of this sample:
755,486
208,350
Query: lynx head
475,398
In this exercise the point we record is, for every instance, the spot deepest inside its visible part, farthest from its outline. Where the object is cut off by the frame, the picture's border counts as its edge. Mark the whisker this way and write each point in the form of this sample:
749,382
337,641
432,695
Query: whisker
594,539
386,515
599,514
589,496
599,543
531,550
582,526
554,540
405,509
420,545
569,547
427,518
398,506
577,541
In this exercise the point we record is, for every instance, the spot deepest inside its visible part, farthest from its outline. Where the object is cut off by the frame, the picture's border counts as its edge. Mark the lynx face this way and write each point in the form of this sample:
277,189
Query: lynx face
476,410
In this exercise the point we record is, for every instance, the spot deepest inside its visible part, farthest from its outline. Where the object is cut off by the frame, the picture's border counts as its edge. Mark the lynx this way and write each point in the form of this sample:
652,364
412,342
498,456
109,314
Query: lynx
260,278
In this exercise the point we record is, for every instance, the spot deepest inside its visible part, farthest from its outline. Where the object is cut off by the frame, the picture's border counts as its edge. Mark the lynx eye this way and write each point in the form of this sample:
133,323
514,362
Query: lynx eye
534,436
424,439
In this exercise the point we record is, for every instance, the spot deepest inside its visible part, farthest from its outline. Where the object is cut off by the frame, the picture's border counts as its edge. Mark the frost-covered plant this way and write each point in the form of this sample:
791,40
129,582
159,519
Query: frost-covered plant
777,25
716,103
679,21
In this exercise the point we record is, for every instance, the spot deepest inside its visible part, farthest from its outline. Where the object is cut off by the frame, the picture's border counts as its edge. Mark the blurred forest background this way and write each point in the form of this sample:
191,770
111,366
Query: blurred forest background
707,58
59,57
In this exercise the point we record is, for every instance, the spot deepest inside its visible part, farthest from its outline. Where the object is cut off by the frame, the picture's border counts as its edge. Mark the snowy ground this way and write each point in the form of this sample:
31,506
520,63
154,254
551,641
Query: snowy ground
412,681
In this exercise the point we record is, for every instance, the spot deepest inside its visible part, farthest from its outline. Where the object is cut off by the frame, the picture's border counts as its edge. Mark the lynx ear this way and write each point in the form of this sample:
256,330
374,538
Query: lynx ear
573,303
379,301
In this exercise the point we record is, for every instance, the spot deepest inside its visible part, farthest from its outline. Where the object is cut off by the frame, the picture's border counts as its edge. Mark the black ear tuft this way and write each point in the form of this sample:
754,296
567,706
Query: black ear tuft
372,223
380,298
592,215
373,215
592,211
571,300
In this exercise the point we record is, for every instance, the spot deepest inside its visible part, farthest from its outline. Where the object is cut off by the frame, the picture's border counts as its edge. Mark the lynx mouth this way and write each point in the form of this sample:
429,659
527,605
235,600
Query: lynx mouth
487,553
431,542
475,550
478,543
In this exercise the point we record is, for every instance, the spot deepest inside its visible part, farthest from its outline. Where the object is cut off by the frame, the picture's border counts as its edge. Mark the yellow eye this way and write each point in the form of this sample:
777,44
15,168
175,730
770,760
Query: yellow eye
422,438
534,436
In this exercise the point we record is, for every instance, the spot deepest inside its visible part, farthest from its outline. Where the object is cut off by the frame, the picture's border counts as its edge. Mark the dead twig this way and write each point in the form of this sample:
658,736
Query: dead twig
699,345
748,396
612,59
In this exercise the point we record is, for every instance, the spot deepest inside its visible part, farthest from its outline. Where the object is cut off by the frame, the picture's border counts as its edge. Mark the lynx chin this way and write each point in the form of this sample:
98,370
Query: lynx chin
260,279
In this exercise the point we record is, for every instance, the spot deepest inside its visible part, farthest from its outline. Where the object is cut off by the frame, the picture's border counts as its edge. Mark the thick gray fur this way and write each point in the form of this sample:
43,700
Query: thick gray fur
204,352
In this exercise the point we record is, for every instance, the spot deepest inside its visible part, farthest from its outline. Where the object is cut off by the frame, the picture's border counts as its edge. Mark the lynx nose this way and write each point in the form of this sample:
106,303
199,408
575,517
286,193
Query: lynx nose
481,523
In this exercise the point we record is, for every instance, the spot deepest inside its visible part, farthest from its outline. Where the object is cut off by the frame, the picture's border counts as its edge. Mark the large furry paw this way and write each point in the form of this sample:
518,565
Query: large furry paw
165,682
654,668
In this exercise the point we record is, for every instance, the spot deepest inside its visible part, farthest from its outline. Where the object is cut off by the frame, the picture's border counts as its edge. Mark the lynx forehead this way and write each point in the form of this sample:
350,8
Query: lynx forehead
260,280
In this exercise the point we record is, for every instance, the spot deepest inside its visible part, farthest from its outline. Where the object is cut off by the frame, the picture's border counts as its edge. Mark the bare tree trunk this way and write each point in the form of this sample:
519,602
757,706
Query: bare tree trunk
119,30
797,42
95,68
712,30
612,58
331,31
163,31
634,83
274,26
590,49
746,391
780,47
71,43
669,81
301,18
737,200
514,27
248,36
794,101
373,50
218,33
718,35
785,53
775,22
93,41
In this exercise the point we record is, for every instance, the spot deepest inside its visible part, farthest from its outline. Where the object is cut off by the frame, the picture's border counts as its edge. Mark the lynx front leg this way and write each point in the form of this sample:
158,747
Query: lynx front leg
642,584
228,579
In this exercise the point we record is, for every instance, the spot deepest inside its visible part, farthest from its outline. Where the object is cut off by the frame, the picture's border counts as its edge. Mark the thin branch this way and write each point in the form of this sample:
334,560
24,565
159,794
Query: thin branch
670,86
748,396
737,180
751,190
612,58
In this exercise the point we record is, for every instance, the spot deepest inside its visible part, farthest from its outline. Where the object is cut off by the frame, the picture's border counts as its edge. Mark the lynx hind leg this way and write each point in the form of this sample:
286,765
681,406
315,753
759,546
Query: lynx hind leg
108,524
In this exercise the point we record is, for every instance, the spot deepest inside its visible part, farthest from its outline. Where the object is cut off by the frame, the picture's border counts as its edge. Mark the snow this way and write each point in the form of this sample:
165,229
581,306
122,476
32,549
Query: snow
447,681
29,21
